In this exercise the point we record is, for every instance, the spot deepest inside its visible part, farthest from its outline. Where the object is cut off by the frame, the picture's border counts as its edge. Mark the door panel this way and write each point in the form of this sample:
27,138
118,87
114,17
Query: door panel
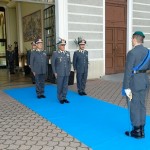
120,49
109,60
115,15
115,50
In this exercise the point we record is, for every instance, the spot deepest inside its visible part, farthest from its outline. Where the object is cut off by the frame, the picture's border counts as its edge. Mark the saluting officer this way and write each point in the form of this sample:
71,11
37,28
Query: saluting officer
38,64
61,65
80,65
33,48
135,84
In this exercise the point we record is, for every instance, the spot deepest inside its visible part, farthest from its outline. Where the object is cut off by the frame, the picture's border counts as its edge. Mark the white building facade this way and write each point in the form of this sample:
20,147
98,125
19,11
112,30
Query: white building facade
85,18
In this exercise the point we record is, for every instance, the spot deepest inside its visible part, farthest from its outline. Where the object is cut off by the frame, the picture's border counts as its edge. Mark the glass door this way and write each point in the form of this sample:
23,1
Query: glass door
2,38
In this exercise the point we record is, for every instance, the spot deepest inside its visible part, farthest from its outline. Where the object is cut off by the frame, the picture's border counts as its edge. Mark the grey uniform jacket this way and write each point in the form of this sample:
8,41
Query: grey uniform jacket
61,63
38,62
80,61
136,82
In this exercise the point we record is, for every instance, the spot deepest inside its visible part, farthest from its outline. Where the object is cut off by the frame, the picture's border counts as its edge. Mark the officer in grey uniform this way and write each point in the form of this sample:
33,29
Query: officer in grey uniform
80,65
33,45
38,64
10,55
136,83
61,66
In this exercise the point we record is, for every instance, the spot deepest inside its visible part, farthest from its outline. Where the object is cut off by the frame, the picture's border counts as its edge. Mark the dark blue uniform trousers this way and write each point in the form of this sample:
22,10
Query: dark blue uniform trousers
81,81
62,87
40,84
138,108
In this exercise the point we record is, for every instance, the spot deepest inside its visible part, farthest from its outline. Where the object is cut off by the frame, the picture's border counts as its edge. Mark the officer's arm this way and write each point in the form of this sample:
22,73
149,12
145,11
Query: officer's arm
53,62
32,61
130,61
88,57
74,61
28,58
69,62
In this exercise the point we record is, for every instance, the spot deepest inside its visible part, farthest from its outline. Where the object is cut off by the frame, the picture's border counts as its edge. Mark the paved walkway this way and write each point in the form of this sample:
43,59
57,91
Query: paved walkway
22,129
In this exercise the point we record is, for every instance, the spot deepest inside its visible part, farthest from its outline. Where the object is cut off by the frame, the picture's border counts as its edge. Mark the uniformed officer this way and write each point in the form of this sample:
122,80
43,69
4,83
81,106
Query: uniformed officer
10,54
16,54
135,84
61,66
38,64
33,48
80,65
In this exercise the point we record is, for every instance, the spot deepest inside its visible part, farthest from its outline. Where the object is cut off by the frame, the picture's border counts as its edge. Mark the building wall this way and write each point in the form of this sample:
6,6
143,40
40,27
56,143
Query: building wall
141,18
85,19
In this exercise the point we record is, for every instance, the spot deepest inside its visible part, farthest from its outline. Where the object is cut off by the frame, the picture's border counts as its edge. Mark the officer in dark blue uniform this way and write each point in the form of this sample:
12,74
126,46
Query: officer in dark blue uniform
80,65
10,55
61,66
136,83
16,54
38,64
33,48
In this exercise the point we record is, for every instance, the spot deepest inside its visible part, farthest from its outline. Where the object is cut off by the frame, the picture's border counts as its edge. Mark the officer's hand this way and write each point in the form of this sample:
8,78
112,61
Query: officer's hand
34,73
129,93
55,75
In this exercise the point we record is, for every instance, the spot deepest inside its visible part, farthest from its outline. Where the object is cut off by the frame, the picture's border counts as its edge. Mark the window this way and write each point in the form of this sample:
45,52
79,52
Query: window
49,30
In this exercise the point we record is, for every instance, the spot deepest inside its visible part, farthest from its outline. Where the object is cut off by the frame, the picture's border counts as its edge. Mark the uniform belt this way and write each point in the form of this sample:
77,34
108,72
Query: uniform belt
139,71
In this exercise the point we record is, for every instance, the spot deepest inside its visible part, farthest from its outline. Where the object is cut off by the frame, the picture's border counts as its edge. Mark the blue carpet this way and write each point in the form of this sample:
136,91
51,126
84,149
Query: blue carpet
97,124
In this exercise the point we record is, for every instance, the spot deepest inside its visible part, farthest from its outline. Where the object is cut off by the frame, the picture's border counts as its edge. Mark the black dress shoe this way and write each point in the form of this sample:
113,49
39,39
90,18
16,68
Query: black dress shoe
137,136
80,93
43,96
61,102
83,93
136,133
39,97
66,101
142,131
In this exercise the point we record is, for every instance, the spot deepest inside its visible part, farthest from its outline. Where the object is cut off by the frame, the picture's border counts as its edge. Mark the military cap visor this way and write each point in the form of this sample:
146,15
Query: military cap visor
38,41
61,42
82,42
139,33
33,43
